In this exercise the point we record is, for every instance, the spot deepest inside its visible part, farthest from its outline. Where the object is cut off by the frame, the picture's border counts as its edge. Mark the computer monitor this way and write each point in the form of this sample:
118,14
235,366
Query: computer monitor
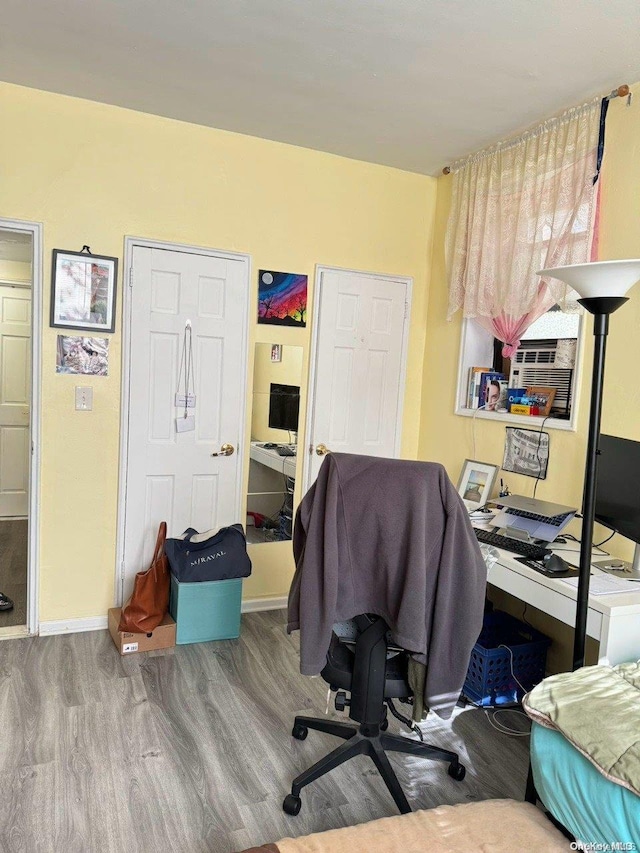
618,492
284,406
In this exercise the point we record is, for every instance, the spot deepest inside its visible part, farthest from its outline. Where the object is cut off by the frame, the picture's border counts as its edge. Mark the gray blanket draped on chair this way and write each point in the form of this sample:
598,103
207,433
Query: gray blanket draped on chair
389,537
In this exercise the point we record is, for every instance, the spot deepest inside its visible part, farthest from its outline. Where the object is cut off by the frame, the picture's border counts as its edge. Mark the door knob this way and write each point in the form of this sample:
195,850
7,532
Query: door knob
225,450
322,449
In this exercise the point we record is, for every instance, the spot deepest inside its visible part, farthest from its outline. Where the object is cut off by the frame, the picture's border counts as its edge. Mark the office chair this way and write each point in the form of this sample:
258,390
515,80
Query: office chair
374,677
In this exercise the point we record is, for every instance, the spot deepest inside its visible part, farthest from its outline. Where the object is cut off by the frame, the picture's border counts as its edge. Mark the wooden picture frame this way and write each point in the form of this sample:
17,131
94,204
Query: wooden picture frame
83,291
543,397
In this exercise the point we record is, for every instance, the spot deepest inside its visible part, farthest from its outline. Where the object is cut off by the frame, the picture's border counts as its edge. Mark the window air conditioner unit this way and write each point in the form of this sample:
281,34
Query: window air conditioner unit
534,364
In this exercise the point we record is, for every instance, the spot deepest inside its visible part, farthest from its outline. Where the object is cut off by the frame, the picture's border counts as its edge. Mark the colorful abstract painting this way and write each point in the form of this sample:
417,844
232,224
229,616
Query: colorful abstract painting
282,298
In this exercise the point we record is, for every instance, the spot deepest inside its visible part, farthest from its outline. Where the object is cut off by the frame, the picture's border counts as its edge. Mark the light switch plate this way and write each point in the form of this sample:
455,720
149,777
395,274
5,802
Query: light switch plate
84,398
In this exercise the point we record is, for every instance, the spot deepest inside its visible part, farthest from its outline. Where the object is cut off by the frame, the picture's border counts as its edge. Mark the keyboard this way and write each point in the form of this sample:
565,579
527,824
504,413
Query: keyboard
283,450
555,520
525,549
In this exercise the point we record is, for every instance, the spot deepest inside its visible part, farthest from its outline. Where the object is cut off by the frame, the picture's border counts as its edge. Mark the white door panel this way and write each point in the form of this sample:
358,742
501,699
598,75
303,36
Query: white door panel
172,476
359,365
15,392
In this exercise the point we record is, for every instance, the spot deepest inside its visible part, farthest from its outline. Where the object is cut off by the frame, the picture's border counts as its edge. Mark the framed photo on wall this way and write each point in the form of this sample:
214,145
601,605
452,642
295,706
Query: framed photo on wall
83,291
476,483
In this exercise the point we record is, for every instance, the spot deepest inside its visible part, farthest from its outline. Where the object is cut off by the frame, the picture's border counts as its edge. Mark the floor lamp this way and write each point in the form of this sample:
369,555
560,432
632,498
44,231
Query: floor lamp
602,286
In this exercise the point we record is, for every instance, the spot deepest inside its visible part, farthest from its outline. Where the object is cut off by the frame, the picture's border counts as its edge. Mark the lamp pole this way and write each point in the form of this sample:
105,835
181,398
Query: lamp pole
600,307
602,286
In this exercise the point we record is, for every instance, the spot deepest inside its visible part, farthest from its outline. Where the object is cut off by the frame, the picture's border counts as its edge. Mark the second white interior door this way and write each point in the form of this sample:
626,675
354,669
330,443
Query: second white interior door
358,374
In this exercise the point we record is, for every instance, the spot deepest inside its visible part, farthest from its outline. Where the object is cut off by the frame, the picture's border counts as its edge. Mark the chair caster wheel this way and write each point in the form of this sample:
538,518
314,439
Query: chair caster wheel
292,804
299,732
457,771
384,725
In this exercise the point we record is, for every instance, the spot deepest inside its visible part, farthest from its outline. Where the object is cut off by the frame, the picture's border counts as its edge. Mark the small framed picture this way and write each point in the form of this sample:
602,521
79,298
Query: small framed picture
543,397
476,483
83,291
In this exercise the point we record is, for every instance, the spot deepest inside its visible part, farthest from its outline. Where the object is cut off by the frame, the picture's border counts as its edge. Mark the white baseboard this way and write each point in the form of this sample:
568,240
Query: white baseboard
99,623
73,626
253,605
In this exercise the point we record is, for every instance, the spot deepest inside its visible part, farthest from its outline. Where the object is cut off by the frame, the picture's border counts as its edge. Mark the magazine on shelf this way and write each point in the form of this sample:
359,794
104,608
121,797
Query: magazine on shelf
490,390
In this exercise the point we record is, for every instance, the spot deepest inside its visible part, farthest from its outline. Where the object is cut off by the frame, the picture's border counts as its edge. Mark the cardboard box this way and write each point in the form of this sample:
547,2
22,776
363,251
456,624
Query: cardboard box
164,636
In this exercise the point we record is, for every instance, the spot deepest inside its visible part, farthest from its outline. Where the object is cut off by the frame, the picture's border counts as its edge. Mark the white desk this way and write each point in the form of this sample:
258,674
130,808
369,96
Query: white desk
269,457
614,620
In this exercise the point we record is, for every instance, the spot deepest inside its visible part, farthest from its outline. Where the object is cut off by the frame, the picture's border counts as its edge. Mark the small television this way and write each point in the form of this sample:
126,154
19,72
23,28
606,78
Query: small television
617,490
284,405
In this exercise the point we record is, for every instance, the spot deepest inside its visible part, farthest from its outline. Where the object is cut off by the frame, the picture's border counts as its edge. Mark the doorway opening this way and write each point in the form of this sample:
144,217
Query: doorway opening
20,244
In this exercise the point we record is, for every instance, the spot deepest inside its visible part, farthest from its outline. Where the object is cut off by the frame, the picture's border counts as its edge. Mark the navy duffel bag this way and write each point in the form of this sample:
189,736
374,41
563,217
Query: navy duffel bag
209,556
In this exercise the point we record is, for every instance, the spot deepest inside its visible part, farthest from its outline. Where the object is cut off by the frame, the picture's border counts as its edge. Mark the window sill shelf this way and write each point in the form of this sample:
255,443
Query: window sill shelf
524,421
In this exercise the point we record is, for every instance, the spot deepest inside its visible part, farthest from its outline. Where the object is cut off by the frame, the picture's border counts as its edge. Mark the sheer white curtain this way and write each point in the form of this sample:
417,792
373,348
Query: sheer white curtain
518,207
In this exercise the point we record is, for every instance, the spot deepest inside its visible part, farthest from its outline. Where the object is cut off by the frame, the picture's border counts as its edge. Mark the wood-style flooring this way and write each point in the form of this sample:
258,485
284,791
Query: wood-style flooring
13,571
191,749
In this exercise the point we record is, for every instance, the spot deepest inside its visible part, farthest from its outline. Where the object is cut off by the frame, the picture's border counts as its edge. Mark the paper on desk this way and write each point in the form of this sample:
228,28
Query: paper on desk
605,584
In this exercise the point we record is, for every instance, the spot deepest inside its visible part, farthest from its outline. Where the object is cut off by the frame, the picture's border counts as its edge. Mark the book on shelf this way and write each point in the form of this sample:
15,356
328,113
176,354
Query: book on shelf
473,386
490,390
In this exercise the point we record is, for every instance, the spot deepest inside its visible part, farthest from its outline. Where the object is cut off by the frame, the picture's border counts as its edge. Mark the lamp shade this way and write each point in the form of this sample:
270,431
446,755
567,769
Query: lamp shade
600,278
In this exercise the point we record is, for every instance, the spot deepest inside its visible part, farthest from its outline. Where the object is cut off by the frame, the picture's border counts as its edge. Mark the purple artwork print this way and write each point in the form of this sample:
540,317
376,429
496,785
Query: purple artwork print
282,298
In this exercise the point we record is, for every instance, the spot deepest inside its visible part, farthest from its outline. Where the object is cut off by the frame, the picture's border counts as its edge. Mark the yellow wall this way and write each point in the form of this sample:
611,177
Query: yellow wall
94,173
447,438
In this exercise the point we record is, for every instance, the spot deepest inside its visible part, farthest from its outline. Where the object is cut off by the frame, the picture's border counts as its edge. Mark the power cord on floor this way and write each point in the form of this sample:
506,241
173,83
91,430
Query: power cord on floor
499,727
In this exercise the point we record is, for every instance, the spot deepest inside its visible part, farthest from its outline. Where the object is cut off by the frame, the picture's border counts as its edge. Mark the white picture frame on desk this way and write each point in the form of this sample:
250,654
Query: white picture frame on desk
476,483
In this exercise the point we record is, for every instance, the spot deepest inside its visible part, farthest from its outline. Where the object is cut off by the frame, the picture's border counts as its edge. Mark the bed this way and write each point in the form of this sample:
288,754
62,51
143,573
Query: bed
585,752
499,826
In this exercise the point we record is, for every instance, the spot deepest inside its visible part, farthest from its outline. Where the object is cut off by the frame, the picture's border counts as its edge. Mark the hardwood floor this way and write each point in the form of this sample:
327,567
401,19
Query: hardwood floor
13,570
191,749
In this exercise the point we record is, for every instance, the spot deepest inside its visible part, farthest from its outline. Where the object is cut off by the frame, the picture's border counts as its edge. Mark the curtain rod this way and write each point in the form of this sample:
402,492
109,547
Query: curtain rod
621,92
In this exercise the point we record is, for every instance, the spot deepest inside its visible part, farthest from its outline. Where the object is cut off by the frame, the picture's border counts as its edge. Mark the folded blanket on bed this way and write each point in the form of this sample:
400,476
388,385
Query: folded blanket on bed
597,708
491,826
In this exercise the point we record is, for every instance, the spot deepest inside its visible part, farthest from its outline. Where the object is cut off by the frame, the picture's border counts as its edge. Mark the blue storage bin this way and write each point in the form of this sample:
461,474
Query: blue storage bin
489,678
209,610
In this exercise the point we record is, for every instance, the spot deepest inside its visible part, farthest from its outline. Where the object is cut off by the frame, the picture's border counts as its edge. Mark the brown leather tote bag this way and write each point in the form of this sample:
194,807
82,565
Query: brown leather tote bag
150,599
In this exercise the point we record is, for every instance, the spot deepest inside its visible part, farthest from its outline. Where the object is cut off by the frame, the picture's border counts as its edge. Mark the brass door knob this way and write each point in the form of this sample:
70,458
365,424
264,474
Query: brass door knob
322,449
225,450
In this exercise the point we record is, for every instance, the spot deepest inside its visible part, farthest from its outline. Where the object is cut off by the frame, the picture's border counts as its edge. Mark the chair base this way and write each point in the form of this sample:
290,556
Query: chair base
364,740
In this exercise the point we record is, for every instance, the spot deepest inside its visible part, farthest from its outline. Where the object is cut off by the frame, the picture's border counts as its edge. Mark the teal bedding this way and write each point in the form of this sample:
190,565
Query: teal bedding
594,809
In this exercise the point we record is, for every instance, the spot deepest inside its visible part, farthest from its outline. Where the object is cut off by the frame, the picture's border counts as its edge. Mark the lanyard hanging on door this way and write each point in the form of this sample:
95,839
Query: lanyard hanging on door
187,400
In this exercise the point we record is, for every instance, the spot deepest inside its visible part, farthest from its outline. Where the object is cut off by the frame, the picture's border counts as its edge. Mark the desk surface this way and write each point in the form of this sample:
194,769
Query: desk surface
269,457
613,619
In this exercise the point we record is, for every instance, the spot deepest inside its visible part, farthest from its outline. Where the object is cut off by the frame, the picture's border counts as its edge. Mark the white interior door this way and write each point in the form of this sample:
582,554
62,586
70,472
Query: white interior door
15,393
359,368
172,476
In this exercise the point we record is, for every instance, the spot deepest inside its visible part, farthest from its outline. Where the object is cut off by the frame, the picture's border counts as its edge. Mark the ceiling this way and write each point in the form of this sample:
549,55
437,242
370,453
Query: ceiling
406,83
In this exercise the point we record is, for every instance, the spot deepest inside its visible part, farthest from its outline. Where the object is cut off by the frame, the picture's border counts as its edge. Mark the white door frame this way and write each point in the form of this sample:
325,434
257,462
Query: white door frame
315,326
33,561
129,244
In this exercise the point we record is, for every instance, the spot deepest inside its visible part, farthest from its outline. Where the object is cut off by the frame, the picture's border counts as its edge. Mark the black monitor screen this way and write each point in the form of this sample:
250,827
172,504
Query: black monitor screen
618,486
284,403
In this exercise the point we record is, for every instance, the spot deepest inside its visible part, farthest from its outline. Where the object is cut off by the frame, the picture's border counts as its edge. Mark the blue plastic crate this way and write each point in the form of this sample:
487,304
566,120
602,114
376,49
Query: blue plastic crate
209,610
489,678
